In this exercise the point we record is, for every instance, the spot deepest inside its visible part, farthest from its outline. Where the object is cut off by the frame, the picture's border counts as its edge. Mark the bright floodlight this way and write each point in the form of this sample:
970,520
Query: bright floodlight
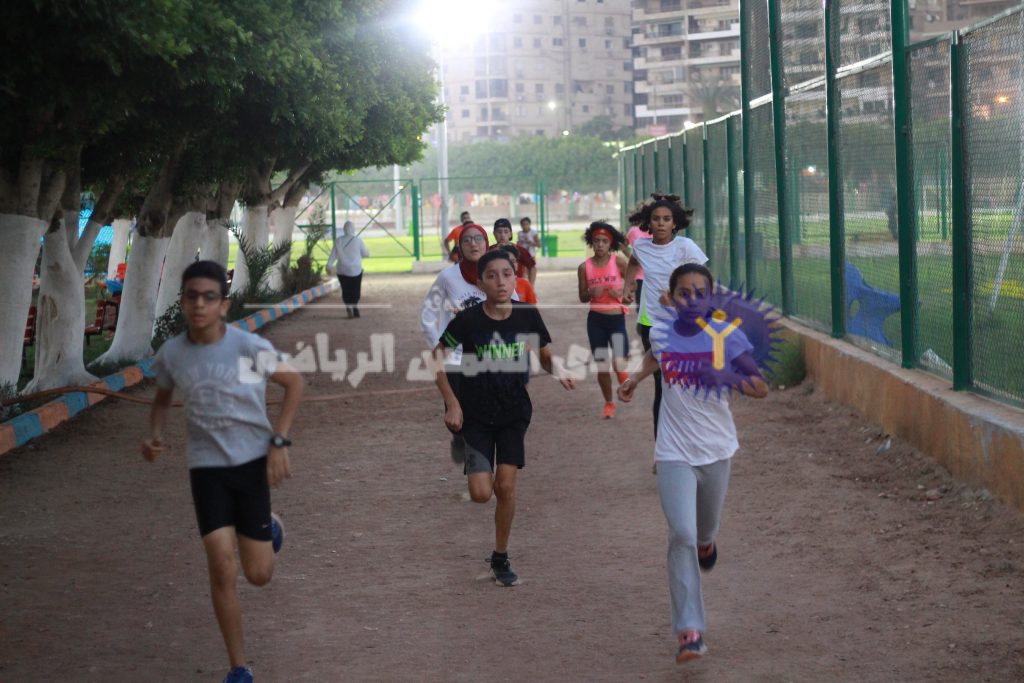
445,21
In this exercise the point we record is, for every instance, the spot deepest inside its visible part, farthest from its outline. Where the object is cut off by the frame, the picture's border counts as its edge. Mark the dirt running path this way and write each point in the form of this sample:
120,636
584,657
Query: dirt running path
837,563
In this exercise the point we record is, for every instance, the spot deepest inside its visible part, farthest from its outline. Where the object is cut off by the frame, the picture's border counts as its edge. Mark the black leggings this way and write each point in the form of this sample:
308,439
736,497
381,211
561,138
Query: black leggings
645,338
351,288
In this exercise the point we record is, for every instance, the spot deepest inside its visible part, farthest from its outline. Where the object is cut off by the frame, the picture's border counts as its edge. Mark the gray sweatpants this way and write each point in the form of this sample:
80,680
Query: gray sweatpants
692,500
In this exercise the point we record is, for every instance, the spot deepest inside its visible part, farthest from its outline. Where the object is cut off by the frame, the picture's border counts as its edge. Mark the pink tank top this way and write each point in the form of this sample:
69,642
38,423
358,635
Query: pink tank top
632,236
608,278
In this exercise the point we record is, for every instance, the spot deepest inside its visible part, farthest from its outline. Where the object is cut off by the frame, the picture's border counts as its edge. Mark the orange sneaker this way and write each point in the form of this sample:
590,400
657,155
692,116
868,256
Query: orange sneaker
609,411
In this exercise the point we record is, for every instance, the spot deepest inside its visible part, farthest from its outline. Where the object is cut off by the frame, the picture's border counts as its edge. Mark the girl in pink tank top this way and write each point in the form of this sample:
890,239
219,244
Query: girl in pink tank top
600,285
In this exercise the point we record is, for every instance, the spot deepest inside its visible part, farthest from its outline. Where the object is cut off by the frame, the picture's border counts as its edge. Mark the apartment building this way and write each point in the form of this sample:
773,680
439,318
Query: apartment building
686,59
931,17
543,67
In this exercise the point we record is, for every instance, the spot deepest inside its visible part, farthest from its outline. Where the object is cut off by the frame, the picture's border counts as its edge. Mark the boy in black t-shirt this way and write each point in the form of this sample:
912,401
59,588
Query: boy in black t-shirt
493,409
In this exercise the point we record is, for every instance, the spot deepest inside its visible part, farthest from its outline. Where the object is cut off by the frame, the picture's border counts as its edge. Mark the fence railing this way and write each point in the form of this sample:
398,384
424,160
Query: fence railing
869,187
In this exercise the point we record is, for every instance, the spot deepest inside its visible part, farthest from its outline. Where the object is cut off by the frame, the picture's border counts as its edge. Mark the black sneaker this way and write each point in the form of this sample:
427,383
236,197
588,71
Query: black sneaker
708,563
502,572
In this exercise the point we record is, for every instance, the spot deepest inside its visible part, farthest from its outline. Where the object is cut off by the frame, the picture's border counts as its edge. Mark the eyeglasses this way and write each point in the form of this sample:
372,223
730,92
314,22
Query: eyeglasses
208,296
474,239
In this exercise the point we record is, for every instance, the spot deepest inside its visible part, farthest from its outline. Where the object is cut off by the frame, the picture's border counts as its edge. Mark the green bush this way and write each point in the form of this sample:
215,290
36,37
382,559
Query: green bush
788,370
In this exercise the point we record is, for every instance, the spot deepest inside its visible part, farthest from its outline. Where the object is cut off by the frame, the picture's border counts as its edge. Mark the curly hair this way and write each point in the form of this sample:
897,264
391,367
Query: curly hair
636,216
680,214
617,238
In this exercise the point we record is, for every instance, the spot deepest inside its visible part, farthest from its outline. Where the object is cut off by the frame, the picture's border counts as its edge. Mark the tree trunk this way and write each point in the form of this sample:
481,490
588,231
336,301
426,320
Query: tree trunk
256,230
216,245
135,320
17,262
59,318
188,236
118,245
282,222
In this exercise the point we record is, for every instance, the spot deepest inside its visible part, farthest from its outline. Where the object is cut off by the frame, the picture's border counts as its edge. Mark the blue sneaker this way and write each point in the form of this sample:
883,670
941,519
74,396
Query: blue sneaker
276,537
239,674
694,649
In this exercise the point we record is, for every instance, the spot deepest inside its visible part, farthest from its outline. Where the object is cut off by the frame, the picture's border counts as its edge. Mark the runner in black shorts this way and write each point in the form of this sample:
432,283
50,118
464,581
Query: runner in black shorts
234,455
493,410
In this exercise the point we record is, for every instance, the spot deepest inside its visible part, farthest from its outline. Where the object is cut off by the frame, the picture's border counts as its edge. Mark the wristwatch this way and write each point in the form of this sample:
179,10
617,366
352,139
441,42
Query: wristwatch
280,441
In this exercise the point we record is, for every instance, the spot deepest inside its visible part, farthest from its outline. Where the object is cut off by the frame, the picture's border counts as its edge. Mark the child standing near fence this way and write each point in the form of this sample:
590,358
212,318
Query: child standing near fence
702,359
234,455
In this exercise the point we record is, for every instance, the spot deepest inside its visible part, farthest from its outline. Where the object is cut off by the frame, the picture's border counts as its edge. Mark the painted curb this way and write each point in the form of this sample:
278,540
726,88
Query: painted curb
20,430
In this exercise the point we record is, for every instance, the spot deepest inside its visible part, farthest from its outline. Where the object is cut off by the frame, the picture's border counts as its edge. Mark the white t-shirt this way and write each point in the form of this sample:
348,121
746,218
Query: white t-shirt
693,428
449,294
224,388
658,262
348,252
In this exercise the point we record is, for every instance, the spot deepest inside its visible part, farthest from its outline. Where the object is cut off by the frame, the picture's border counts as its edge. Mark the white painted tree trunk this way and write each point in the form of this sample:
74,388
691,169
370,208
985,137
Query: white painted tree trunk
255,227
118,245
217,242
135,319
282,222
17,261
187,238
60,312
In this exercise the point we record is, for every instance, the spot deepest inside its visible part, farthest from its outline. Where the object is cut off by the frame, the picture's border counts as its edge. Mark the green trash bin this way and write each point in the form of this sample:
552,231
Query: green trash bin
549,244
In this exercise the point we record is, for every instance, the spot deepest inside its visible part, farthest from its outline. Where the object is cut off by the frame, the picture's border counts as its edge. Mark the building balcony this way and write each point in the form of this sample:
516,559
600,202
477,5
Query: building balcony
733,32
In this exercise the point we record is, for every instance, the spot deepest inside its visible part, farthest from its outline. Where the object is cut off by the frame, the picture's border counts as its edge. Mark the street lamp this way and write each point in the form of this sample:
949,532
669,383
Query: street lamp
438,19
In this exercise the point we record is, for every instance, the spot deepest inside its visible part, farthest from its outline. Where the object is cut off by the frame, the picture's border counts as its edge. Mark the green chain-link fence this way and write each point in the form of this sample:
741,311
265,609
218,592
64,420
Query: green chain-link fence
901,205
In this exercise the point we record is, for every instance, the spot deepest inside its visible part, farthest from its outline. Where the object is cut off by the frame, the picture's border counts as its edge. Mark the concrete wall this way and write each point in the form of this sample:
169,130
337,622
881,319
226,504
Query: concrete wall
980,441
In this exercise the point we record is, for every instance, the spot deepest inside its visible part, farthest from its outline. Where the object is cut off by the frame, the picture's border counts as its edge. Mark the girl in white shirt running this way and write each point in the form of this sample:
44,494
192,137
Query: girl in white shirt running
703,358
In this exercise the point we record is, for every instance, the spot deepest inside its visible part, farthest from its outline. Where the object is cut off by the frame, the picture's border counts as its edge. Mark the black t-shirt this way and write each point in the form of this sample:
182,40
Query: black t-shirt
496,360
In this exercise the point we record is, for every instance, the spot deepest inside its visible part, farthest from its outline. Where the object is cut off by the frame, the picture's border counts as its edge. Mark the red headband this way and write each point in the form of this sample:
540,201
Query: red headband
602,231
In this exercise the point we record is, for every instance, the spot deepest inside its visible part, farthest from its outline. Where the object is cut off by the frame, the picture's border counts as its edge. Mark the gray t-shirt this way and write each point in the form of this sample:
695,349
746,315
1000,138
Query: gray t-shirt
223,385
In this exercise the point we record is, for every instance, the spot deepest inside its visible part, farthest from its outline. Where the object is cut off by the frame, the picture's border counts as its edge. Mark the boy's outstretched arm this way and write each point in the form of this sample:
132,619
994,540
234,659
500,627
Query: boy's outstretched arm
648,367
549,365
277,458
151,447
453,410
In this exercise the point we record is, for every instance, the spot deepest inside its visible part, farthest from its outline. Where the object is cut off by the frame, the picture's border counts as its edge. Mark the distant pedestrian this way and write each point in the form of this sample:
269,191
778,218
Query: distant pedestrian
348,253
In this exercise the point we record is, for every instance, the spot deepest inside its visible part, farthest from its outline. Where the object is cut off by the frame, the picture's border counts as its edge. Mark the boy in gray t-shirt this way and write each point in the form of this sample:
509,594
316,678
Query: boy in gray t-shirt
234,456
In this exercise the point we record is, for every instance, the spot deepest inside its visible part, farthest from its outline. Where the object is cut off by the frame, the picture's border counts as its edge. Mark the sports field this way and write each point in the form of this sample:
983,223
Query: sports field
841,559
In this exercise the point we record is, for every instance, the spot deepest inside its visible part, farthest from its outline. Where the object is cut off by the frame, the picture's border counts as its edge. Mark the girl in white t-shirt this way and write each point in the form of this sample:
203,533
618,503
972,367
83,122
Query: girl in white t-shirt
703,358
658,257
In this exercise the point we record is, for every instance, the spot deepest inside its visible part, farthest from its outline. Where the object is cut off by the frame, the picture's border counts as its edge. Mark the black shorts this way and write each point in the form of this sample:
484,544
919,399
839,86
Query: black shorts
233,496
607,335
490,443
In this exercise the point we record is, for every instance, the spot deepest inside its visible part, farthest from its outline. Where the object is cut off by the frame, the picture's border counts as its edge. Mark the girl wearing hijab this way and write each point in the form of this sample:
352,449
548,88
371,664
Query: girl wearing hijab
348,253
455,289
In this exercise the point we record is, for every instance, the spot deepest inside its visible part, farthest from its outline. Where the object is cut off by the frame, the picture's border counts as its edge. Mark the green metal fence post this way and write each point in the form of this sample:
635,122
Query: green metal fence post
654,153
709,210
781,176
904,183
836,210
685,137
543,217
734,193
334,218
673,181
416,222
637,180
748,175
960,197
622,190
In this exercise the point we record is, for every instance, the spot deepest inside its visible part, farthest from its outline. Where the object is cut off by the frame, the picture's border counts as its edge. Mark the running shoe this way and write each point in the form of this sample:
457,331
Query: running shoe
276,537
694,649
608,412
707,562
239,674
502,572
